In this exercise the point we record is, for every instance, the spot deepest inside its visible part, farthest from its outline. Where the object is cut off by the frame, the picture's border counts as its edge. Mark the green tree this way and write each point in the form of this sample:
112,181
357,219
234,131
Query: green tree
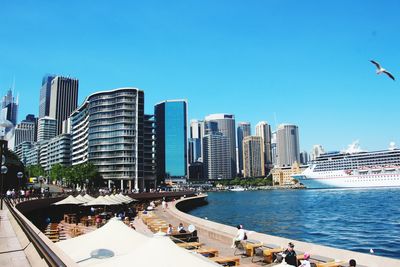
35,171
57,172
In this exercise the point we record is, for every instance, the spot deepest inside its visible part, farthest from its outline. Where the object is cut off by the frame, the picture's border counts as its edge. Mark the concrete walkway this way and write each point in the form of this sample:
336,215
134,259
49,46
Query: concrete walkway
11,251
224,249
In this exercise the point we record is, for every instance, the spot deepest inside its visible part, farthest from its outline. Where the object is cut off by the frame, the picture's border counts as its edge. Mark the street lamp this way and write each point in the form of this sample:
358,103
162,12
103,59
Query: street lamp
4,170
19,176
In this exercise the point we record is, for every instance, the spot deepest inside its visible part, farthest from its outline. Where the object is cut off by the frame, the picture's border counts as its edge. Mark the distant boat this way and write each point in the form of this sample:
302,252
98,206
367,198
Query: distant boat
237,189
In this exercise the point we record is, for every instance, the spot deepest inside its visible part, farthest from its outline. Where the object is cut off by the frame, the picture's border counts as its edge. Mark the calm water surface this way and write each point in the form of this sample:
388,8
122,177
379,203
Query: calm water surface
350,219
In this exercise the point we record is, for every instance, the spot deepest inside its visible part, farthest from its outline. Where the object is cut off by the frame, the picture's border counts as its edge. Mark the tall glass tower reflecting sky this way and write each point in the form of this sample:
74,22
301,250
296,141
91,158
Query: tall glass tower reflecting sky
171,139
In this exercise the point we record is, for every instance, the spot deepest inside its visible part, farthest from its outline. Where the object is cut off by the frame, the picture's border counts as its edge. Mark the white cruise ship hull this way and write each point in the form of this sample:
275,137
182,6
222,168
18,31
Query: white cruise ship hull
339,179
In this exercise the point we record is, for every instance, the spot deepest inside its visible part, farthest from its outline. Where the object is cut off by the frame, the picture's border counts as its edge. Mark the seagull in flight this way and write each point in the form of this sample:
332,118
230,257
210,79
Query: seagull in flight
382,70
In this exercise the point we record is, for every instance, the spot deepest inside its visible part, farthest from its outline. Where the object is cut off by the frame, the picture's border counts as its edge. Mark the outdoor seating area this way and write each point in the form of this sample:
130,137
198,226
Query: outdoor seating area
266,254
55,232
188,240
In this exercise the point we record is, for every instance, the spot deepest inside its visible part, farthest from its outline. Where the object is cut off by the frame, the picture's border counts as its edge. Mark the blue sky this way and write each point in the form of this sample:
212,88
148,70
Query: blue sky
304,61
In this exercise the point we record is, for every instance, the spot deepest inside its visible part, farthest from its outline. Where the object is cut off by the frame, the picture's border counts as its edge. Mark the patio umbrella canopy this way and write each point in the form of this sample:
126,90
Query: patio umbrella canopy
120,199
126,197
100,201
158,251
117,202
70,200
88,197
81,198
112,240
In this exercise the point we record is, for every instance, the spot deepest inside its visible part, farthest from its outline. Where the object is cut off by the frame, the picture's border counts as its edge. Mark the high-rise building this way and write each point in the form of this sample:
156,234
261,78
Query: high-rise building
197,131
63,99
243,130
317,151
226,125
217,156
108,131
22,150
149,152
59,151
263,129
47,128
171,140
194,150
274,154
25,131
10,107
253,156
304,158
287,143
44,101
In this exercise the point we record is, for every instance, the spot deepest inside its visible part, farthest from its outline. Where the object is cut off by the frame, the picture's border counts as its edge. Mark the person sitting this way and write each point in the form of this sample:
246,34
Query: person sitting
169,229
289,254
306,261
240,235
181,229
352,263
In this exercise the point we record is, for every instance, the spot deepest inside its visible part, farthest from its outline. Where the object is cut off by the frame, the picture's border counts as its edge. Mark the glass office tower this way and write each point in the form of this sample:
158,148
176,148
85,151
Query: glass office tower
171,140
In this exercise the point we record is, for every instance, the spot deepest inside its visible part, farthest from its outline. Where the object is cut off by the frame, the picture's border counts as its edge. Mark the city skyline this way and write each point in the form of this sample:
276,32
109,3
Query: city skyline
280,63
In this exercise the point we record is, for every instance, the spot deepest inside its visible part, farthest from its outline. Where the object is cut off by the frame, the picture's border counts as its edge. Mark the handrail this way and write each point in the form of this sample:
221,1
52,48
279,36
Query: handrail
43,249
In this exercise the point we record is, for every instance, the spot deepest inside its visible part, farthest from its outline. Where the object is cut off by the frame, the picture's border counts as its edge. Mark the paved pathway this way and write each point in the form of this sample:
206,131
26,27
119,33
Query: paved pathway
11,251
224,249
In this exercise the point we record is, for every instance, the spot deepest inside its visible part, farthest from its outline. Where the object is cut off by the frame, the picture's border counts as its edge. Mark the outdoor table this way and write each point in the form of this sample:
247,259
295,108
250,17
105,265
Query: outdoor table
222,260
269,252
190,245
207,251
331,264
250,248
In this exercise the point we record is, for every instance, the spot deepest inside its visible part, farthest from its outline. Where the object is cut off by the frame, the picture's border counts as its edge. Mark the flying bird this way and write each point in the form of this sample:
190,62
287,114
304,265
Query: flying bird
382,70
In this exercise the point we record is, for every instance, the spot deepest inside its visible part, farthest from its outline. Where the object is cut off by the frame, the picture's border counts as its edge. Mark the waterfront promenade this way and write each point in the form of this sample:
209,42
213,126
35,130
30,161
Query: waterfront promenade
221,235
12,252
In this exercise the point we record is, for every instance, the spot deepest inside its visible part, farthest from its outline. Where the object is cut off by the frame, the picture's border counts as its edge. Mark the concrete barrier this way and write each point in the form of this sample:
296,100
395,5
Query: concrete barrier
225,233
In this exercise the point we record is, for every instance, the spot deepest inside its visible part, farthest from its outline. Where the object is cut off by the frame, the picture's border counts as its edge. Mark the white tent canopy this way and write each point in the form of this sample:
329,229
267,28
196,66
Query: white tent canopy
81,198
119,198
100,201
126,197
158,251
70,200
115,201
88,197
114,236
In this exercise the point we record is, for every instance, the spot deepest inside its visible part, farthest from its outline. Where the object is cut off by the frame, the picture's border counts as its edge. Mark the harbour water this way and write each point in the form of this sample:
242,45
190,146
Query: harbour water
353,219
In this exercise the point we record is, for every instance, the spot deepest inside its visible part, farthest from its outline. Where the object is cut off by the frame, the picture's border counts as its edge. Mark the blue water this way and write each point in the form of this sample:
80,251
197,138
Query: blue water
356,220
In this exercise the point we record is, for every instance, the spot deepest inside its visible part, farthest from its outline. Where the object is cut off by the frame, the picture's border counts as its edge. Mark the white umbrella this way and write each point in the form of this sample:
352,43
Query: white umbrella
81,198
126,197
158,251
118,198
117,202
70,200
114,236
88,197
100,201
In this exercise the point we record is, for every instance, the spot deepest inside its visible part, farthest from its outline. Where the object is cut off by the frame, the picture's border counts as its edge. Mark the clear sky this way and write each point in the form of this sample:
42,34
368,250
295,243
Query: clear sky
301,62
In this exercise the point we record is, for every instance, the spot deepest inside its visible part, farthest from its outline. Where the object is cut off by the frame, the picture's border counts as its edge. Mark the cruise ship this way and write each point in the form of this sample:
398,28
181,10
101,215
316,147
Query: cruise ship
347,170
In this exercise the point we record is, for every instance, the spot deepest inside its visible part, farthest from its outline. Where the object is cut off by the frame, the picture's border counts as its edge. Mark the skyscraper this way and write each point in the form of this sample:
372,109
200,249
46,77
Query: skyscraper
217,156
304,158
197,131
44,101
243,130
63,99
171,140
226,125
194,150
47,128
112,138
25,131
263,129
288,147
10,107
253,156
